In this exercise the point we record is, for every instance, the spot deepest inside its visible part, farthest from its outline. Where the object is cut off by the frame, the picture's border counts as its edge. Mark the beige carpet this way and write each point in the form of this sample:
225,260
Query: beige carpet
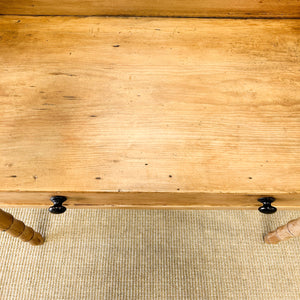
150,254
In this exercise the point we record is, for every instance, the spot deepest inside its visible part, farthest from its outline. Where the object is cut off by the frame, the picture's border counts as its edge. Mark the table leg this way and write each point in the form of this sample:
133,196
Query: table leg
18,229
285,232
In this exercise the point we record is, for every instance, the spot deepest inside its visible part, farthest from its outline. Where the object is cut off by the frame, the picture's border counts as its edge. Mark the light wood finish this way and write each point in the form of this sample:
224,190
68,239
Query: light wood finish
179,107
18,229
183,8
283,233
168,200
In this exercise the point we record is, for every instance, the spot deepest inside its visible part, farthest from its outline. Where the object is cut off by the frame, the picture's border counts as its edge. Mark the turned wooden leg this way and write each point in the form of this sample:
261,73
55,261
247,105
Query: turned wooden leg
18,229
283,233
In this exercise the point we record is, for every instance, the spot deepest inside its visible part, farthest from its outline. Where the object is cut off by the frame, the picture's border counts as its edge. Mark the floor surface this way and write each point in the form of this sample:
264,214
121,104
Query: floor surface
150,254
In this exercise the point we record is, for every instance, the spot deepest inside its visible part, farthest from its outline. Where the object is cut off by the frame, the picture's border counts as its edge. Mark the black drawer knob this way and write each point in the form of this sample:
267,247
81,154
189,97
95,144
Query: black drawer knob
266,207
58,208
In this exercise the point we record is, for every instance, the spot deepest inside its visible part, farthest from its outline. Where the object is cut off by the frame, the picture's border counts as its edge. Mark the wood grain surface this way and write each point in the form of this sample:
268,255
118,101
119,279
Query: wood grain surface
171,8
149,105
147,200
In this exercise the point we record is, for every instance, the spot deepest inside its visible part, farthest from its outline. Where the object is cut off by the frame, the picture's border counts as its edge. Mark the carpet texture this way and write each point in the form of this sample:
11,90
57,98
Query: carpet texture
150,254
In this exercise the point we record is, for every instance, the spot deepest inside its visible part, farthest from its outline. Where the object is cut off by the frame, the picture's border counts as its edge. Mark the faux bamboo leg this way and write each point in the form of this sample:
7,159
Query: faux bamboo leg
283,233
18,229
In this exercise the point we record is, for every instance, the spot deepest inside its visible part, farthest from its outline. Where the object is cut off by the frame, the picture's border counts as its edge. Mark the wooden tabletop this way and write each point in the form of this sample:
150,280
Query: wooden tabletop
149,105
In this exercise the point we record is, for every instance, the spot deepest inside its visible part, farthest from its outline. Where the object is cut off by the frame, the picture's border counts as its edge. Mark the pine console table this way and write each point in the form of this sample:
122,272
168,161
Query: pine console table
141,111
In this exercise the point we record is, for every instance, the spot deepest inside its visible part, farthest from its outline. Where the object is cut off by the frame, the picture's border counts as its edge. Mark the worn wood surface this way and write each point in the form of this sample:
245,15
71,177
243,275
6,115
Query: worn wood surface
149,105
183,8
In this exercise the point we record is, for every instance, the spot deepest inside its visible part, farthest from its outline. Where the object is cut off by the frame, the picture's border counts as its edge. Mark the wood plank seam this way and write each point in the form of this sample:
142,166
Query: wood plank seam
168,8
